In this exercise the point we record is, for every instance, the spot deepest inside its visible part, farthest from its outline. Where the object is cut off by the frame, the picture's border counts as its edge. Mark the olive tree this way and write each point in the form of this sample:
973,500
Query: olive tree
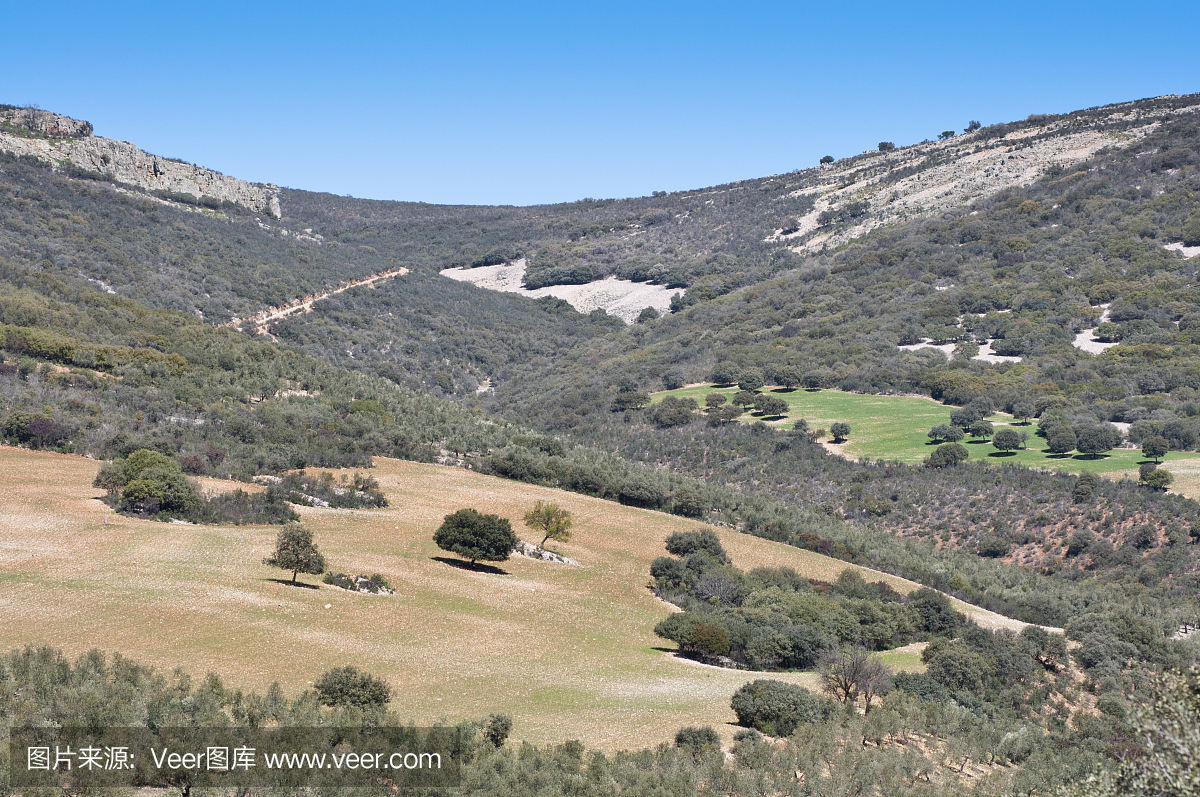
1164,725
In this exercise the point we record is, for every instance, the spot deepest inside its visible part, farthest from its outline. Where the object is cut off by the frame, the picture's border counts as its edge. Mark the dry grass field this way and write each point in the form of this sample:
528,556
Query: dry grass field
568,651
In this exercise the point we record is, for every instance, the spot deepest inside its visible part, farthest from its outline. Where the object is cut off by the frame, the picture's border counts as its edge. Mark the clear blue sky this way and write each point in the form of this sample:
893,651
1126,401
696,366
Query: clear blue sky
523,103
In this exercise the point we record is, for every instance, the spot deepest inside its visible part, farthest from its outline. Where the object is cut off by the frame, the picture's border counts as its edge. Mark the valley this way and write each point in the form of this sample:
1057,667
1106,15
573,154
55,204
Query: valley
170,335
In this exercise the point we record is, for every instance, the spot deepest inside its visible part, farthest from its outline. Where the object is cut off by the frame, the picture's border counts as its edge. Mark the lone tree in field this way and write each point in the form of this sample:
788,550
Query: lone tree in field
296,551
551,520
346,686
1007,440
840,431
1153,447
476,536
771,405
1095,440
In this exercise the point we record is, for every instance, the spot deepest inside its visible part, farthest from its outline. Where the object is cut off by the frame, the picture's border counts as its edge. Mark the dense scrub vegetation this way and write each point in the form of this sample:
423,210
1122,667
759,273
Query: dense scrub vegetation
150,484
773,618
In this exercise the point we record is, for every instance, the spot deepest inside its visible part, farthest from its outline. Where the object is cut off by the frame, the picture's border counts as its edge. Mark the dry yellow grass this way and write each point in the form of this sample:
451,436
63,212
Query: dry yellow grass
568,651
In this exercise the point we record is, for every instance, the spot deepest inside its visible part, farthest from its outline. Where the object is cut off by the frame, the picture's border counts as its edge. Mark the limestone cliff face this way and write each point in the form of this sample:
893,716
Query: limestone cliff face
60,140
44,123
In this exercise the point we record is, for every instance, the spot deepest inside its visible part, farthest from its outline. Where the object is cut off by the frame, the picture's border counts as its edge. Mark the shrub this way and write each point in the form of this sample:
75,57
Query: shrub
346,686
497,728
993,546
673,411
776,708
935,610
683,543
947,455
920,685
711,639
696,740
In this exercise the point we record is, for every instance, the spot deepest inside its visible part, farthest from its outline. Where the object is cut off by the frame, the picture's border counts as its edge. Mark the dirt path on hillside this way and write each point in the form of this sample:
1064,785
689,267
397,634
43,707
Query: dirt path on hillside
260,321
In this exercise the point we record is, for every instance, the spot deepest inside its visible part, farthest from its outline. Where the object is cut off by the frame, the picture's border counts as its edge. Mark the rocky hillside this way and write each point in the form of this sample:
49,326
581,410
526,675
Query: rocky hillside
68,143
886,186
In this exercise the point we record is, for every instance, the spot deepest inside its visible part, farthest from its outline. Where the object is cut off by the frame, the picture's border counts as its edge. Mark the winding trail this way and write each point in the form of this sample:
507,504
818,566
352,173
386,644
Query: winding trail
260,321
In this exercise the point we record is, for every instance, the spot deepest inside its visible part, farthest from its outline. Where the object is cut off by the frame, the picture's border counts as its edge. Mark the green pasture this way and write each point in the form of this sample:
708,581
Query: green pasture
897,428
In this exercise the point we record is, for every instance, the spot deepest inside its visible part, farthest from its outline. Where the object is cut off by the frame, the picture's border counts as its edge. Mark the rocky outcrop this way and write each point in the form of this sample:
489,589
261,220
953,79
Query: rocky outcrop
122,162
44,123
878,188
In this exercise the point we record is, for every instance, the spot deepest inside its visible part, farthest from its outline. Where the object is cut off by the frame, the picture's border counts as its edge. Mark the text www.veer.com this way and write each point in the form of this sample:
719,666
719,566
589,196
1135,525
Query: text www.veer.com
352,761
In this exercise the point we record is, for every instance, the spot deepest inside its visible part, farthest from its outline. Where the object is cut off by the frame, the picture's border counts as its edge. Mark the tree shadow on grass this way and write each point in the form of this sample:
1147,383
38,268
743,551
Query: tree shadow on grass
477,567
1003,454
978,442
783,390
1056,456
287,582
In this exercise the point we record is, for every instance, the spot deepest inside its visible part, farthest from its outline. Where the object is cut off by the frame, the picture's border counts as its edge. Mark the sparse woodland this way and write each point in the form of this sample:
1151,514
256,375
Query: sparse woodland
110,347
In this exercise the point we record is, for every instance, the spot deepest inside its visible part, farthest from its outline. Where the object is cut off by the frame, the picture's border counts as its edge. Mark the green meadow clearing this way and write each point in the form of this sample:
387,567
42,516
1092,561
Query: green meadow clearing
897,428
568,651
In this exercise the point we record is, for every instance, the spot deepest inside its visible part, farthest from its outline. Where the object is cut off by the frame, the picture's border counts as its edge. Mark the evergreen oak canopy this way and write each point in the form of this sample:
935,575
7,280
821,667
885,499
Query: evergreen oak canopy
476,536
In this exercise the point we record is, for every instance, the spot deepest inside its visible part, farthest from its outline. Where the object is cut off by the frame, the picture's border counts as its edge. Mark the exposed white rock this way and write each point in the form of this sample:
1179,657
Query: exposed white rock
1187,251
622,298
973,168
1085,341
71,141
988,356
927,343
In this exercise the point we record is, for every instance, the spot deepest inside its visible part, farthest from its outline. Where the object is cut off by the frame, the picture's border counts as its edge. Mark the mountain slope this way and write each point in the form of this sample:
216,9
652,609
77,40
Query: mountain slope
69,144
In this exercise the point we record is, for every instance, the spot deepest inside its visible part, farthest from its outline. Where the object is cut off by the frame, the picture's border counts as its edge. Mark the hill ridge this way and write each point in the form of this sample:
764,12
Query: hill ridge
68,143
